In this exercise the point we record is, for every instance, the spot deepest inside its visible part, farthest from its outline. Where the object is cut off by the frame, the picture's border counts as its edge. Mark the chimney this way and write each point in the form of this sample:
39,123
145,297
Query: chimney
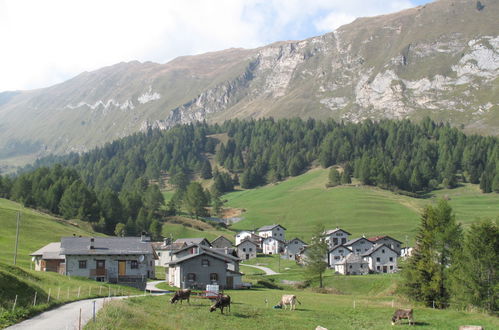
92,240
144,237
226,250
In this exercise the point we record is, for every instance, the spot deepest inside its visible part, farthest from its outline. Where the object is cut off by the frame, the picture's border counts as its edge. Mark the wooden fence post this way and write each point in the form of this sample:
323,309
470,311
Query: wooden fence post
15,302
34,300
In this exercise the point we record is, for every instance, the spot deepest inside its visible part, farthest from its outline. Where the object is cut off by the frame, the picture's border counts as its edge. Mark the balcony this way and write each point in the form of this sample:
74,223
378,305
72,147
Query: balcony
98,272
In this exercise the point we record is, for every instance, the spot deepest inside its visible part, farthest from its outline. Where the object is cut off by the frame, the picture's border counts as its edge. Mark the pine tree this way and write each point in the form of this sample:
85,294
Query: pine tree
155,230
316,256
195,200
120,229
476,271
334,177
206,170
425,278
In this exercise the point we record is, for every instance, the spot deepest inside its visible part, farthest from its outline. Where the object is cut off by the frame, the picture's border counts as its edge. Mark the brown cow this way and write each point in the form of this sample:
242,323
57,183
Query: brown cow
221,302
401,314
288,299
184,294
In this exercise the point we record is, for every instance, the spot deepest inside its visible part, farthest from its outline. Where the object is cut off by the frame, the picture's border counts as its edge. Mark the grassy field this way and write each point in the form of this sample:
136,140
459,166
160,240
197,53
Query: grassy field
36,230
51,290
249,310
302,202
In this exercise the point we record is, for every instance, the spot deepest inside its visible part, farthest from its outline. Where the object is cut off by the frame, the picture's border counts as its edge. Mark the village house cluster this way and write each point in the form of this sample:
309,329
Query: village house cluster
197,262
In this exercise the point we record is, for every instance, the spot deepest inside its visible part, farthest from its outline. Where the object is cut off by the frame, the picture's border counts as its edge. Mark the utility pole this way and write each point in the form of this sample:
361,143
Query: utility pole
17,237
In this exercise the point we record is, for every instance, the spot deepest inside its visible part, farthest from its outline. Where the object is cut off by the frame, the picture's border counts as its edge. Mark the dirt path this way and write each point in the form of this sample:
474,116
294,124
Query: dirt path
267,270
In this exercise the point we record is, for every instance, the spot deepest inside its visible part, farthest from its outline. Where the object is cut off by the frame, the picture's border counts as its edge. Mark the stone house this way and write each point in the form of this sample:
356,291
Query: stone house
121,260
247,249
359,245
391,242
221,242
196,266
190,241
337,254
272,245
336,237
381,259
49,259
352,264
165,252
276,231
293,248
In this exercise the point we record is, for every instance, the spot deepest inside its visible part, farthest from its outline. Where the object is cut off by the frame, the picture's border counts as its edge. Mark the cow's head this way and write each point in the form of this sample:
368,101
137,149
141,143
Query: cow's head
213,308
174,298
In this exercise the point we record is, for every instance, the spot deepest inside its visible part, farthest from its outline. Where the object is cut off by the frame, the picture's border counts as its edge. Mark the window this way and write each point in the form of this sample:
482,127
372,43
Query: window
134,264
377,268
296,242
340,251
343,240
213,277
382,250
391,267
377,259
159,254
192,250
398,245
250,249
335,241
336,257
357,250
350,266
391,259
244,249
362,242
361,266
191,277
82,264
205,262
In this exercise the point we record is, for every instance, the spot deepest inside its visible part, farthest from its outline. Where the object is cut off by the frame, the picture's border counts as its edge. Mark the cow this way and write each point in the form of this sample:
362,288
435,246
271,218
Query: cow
221,302
288,299
401,314
183,294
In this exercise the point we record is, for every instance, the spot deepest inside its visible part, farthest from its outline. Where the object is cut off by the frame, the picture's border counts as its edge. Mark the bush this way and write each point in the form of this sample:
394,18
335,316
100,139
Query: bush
269,284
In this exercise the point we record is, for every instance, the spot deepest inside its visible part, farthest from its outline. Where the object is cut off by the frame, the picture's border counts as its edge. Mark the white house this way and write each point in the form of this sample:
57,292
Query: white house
276,231
293,248
359,245
196,266
352,264
391,242
165,252
247,249
272,245
381,259
336,254
336,237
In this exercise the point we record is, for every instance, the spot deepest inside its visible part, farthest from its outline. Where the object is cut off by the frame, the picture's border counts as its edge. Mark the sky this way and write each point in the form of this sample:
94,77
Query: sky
47,42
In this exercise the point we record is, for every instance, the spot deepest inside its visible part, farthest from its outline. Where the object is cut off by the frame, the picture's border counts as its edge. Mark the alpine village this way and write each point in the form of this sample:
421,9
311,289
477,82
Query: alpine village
347,180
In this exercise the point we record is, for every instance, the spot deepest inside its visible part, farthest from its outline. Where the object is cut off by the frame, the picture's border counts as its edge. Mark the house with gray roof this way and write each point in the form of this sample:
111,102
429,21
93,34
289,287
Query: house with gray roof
48,258
275,231
221,242
196,266
121,260
191,241
359,245
381,259
336,236
352,264
293,248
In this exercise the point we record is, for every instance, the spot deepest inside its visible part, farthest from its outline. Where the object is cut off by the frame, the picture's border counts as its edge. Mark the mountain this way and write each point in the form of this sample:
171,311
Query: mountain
441,60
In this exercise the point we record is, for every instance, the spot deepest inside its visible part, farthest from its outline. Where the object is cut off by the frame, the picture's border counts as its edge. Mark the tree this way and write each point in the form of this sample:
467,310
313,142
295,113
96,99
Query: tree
195,200
476,271
345,178
153,198
334,177
155,230
120,229
316,256
426,275
206,170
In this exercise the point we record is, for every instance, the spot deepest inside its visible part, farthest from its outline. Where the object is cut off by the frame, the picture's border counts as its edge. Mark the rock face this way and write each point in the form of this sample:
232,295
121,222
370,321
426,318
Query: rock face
441,60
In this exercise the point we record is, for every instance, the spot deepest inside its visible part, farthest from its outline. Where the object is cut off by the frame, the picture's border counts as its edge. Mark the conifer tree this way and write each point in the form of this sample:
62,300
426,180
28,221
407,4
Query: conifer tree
334,177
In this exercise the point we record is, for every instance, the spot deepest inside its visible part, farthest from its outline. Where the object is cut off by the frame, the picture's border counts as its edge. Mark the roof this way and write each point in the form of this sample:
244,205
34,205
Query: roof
105,246
190,241
375,248
377,238
173,246
247,239
221,237
339,246
268,238
204,251
352,258
352,241
266,228
220,251
297,239
49,251
332,231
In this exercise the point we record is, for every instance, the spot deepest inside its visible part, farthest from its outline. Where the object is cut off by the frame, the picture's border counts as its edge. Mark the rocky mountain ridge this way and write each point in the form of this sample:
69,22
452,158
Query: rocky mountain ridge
441,60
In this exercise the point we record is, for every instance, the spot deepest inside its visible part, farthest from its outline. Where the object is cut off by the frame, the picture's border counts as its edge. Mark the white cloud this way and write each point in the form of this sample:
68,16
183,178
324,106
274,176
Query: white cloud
46,42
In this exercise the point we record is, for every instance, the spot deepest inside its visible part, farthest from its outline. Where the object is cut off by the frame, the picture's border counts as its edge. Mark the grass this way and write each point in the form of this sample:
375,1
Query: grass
51,290
182,227
249,310
302,202
36,230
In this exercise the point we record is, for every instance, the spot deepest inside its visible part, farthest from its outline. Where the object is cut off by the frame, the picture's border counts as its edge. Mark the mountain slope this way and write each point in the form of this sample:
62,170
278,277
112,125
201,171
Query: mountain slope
441,59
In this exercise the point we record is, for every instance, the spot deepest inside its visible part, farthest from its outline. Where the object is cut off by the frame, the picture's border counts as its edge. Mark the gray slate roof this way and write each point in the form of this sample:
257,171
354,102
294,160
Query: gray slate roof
352,258
352,241
205,251
332,231
105,246
190,241
49,251
377,247
265,228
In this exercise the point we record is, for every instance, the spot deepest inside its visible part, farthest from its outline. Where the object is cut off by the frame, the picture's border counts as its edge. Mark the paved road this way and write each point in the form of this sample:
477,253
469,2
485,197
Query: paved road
267,270
64,317
151,287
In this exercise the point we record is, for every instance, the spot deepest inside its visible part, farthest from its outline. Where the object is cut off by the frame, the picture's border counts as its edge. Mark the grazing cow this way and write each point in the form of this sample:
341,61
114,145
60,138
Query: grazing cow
184,294
221,302
288,299
401,314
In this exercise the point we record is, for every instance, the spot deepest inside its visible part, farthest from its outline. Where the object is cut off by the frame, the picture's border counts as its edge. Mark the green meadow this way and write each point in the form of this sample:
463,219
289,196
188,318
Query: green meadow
302,202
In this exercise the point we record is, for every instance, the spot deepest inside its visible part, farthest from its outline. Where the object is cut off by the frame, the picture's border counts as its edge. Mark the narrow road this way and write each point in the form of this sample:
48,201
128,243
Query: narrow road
151,287
65,317
267,270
